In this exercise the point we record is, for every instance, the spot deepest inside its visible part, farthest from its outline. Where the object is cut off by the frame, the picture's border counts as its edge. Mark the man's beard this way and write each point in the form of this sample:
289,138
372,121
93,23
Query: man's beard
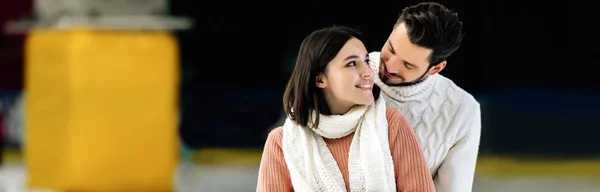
385,79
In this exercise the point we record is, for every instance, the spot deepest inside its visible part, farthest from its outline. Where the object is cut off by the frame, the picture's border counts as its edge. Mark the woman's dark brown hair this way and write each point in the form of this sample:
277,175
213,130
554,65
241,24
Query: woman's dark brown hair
302,97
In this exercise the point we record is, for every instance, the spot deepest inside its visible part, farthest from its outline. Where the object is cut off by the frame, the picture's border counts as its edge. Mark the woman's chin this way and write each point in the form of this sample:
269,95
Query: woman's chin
367,102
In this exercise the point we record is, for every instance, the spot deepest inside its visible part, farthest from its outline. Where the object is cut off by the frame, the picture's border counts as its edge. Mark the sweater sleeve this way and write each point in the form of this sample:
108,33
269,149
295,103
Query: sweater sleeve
410,166
456,172
273,175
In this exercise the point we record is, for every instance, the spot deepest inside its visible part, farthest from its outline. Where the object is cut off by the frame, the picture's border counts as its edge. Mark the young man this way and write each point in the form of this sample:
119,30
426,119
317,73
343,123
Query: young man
446,118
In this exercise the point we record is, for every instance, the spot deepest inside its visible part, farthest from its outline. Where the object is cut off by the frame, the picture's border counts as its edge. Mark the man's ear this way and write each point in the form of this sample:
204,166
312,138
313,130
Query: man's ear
321,81
437,68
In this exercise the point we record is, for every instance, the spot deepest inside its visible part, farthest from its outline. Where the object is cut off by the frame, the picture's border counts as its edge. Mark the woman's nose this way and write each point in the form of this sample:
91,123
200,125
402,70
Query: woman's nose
366,73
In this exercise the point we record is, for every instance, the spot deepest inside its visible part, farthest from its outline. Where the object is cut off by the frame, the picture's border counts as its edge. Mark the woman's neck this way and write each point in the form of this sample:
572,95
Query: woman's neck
339,108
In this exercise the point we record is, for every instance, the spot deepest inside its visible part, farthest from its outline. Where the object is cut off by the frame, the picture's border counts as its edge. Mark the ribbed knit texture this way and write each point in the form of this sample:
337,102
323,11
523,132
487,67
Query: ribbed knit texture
410,168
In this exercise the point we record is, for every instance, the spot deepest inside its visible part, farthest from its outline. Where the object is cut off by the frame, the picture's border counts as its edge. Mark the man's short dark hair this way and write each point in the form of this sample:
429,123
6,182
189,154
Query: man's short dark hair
433,26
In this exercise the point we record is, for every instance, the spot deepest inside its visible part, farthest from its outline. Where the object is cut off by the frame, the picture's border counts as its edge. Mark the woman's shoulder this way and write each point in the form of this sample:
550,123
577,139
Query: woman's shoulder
397,123
393,114
275,135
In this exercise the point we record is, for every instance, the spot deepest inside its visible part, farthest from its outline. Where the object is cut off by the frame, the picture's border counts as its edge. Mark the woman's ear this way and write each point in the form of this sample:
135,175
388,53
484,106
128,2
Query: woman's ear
321,81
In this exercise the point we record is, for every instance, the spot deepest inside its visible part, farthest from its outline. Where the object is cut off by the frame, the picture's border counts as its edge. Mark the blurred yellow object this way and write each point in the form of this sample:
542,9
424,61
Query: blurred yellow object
510,167
101,110
216,156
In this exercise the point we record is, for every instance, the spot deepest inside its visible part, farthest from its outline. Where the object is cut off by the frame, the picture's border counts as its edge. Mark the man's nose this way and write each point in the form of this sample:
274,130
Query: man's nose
390,65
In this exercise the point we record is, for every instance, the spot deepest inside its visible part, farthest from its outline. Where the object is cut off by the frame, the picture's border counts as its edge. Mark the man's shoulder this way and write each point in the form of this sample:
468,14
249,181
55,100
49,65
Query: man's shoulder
463,105
457,93
374,58
374,54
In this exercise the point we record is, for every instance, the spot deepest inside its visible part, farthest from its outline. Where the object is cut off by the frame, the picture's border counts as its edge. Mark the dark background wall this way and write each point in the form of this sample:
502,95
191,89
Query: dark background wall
518,59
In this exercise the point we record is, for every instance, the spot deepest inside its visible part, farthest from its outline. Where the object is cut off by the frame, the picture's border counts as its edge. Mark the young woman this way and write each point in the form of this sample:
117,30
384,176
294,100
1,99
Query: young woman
338,135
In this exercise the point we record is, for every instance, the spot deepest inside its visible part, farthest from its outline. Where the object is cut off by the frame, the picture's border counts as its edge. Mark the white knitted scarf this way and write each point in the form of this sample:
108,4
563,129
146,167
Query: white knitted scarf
312,166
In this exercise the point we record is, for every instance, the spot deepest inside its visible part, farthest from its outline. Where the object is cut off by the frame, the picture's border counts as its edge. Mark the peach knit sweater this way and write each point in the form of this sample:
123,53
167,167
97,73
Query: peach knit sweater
410,167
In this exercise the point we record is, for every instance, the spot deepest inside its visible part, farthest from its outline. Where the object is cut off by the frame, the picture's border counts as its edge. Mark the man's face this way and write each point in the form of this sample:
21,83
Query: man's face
402,62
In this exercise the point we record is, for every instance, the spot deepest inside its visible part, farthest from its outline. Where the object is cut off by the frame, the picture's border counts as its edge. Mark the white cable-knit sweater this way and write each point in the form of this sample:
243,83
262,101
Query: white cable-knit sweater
447,121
